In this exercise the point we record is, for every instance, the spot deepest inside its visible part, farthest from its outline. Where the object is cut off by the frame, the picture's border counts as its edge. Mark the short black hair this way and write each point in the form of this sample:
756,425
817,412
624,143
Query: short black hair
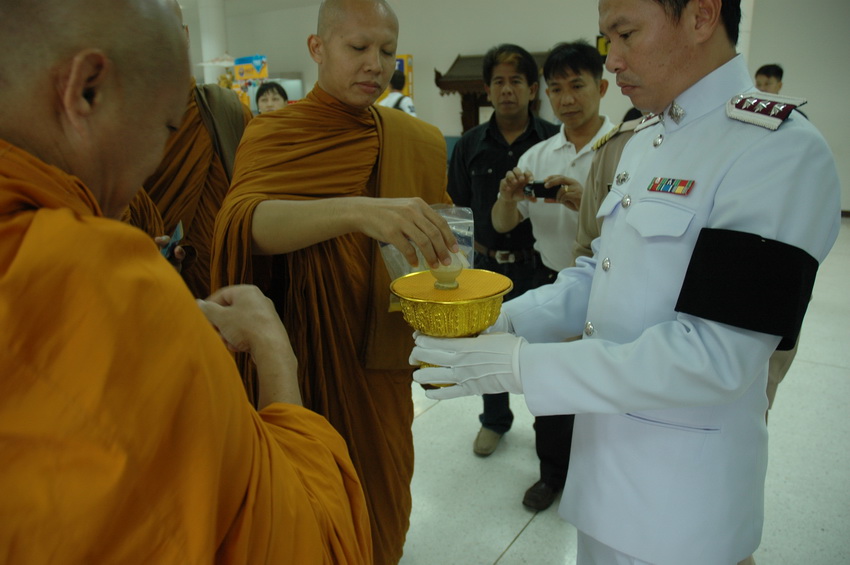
267,86
577,56
397,80
513,55
730,13
771,71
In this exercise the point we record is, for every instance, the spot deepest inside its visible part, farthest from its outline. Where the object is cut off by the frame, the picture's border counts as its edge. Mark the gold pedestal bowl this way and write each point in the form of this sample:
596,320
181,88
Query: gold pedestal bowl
466,310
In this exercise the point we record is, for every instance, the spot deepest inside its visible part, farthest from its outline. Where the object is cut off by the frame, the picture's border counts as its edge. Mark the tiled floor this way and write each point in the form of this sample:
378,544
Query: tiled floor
467,510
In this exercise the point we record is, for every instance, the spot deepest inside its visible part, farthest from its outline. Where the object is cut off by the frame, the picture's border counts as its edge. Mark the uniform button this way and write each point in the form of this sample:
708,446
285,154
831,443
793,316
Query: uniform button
489,170
588,329
510,153
622,178
606,264
658,140
627,201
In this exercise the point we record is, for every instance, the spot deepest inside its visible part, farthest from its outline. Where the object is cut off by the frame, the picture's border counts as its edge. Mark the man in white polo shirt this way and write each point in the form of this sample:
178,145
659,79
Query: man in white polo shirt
574,86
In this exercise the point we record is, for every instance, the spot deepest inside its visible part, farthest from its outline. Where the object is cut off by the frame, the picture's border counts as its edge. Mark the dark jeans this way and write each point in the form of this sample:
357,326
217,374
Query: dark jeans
553,435
497,415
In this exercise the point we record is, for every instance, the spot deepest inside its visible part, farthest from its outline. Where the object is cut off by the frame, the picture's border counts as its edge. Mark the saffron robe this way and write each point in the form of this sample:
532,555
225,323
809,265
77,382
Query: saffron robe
194,175
125,432
334,296
143,213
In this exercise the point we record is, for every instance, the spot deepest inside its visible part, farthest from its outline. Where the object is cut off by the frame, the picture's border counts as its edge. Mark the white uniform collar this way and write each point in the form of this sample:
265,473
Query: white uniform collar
710,92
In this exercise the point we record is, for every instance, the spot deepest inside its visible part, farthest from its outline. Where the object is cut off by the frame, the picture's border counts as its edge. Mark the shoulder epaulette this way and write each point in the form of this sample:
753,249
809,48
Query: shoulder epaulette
604,139
762,109
621,128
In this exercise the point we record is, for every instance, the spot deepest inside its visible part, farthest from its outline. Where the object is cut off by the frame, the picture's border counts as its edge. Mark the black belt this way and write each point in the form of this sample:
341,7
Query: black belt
508,255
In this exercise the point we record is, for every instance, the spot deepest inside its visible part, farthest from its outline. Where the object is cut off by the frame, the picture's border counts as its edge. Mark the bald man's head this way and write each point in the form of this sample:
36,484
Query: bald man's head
355,49
332,12
133,33
77,76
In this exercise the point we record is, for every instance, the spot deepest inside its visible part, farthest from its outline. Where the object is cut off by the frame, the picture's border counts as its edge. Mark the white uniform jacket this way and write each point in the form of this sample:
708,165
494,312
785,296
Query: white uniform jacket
669,452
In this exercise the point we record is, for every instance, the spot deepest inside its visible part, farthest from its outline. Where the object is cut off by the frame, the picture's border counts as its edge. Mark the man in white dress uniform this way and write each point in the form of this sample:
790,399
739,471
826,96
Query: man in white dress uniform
724,204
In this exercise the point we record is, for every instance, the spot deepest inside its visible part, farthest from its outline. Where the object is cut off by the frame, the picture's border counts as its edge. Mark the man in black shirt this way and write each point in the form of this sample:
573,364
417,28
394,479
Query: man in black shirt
479,161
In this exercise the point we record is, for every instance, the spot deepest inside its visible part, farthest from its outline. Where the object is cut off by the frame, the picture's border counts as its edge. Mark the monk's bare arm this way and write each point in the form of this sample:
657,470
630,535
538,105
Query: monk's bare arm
247,321
283,226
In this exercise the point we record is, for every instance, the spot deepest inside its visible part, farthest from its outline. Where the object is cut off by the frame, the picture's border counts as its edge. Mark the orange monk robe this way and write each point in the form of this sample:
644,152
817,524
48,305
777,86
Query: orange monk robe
143,213
194,175
334,296
125,433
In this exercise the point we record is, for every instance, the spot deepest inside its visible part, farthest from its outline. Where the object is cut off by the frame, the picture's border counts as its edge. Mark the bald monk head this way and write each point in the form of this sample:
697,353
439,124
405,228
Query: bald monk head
355,46
93,87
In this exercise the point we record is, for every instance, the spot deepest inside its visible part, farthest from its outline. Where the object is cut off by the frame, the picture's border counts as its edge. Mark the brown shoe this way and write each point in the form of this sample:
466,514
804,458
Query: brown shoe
486,442
539,496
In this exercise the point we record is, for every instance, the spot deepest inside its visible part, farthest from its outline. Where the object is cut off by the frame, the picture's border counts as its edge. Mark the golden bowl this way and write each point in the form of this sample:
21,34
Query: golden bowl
464,311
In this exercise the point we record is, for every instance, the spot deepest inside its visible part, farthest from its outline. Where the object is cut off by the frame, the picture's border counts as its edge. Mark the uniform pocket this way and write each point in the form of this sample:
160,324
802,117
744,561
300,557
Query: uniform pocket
655,218
673,424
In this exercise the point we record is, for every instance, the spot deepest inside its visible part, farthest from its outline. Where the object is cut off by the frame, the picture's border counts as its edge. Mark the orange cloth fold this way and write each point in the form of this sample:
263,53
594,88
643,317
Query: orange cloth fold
125,432
192,179
334,296
143,213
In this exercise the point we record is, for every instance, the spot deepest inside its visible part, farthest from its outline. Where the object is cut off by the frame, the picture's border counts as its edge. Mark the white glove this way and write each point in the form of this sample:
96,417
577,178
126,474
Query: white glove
486,364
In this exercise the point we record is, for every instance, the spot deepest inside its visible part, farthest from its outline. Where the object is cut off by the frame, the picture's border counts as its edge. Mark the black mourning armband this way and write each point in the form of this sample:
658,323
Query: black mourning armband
749,282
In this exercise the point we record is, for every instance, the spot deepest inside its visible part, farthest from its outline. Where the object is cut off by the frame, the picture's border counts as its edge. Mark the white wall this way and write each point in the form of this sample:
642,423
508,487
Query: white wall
807,39
433,38
799,35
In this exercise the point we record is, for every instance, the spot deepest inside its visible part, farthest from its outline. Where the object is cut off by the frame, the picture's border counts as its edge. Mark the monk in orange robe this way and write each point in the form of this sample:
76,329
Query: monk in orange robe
315,185
194,175
125,432
143,213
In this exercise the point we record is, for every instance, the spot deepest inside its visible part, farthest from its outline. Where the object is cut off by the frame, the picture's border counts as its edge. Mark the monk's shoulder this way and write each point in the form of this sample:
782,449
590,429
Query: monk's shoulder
412,128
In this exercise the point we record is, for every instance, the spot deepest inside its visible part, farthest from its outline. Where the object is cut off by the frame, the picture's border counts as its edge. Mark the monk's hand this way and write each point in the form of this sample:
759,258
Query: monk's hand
512,187
408,223
570,193
178,254
244,317
247,321
487,364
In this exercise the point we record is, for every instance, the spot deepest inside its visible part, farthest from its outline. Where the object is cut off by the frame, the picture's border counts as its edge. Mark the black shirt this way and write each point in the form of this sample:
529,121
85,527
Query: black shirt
479,161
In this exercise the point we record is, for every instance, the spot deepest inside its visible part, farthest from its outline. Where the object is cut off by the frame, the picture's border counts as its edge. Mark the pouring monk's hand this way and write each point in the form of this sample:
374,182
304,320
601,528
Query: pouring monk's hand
409,223
247,322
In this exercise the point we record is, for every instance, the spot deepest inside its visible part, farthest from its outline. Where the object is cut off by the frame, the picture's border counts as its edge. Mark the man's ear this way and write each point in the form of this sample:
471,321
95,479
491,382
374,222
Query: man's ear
707,18
314,45
533,90
603,87
82,91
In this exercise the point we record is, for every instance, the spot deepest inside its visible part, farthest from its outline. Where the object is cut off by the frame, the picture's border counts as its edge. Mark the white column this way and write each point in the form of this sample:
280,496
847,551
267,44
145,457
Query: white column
213,36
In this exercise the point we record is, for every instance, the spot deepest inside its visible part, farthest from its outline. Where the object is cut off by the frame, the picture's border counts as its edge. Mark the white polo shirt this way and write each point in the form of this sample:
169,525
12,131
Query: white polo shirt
554,225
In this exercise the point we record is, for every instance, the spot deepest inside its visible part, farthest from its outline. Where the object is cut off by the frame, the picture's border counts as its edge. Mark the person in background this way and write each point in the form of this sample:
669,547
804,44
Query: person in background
125,433
479,161
632,114
271,96
669,449
190,182
769,78
317,186
397,98
574,88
